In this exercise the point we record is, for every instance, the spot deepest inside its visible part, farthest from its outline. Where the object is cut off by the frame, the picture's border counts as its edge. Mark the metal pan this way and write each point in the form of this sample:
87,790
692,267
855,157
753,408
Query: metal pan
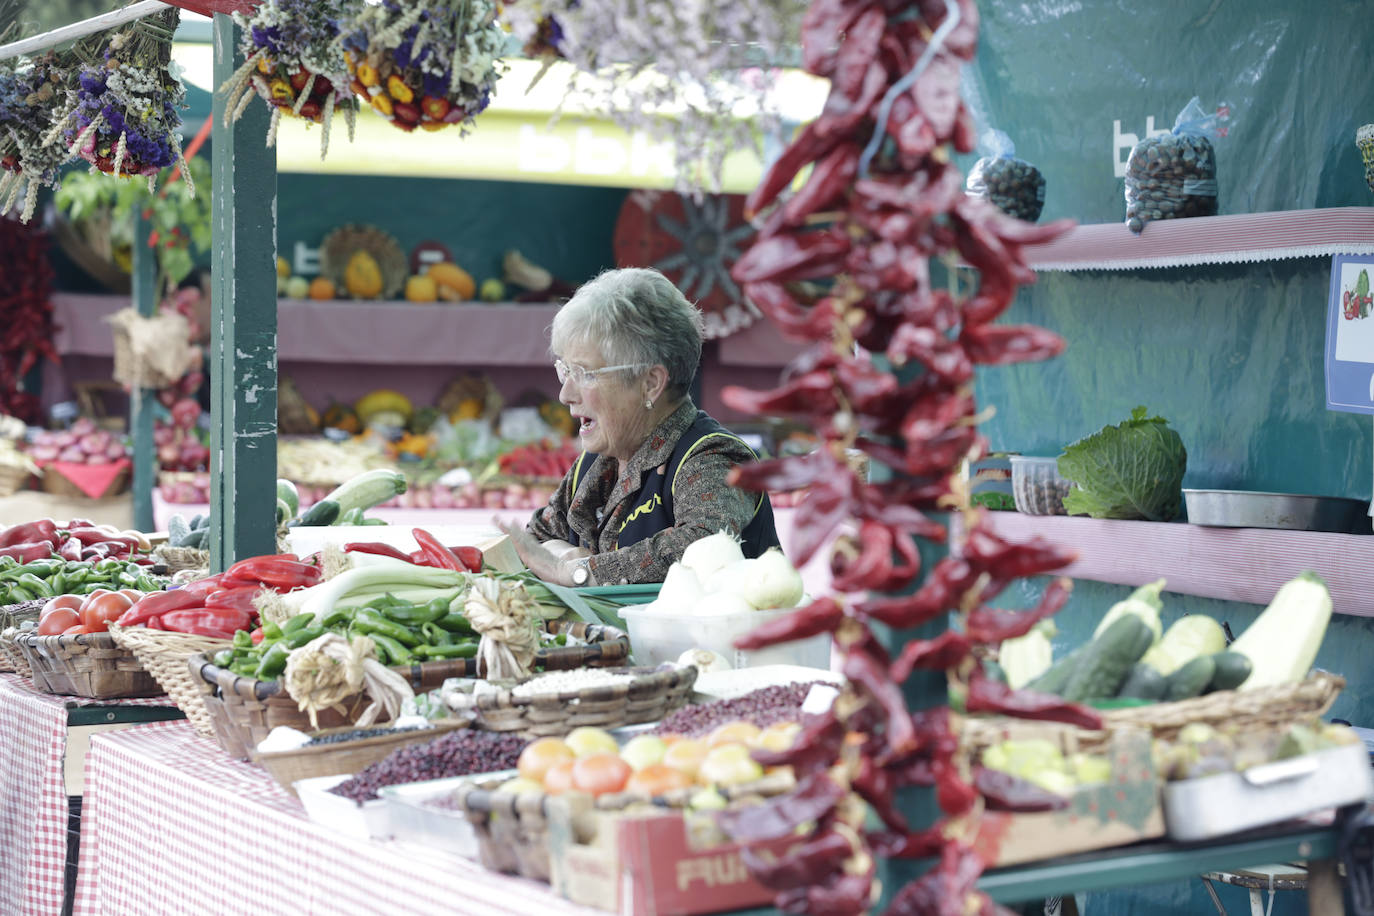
1248,509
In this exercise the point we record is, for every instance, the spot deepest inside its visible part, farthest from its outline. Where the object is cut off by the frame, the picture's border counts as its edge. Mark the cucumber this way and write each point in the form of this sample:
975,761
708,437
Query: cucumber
1057,677
177,529
1232,669
284,513
1108,659
1143,683
1190,680
324,512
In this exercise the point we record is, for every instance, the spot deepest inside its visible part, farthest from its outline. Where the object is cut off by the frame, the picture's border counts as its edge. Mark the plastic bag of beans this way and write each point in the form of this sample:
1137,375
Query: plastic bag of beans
1013,185
1174,175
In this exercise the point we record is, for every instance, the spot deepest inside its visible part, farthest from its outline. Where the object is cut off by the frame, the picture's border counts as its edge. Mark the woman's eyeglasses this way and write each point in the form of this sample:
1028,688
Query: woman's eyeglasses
588,378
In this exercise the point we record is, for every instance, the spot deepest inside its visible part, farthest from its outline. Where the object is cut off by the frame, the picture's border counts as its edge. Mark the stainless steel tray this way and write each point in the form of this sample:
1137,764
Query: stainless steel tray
413,819
1213,806
1251,509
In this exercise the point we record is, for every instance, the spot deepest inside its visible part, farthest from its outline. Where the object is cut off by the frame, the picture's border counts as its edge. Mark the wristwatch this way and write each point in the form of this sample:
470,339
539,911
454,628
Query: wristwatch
581,572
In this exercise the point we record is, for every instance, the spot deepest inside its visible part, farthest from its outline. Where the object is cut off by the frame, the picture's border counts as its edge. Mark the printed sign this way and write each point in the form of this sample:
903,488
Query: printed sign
1350,335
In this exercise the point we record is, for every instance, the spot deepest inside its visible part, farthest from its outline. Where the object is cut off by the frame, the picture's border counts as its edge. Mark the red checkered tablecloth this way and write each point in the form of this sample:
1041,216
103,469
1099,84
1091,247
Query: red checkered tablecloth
33,793
172,824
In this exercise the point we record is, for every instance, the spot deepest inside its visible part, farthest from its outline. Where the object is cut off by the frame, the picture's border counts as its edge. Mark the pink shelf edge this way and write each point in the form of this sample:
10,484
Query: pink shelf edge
1232,564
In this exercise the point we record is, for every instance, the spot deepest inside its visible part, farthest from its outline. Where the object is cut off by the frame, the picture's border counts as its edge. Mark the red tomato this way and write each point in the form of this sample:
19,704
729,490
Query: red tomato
99,609
657,779
599,774
132,594
71,601
558,778
57,620
76,629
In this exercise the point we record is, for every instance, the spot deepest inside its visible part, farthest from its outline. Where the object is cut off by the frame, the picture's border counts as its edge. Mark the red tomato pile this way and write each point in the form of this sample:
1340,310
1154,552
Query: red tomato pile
67,615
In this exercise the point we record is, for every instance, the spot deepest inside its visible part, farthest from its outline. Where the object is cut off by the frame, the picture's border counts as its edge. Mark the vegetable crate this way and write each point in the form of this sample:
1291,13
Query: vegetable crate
85,665
631,857
1123,810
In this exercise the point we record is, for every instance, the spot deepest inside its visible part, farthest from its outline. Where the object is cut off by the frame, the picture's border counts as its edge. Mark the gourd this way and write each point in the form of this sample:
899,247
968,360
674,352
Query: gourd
363,276
452,282
421,288
383,400
322,288
1283,641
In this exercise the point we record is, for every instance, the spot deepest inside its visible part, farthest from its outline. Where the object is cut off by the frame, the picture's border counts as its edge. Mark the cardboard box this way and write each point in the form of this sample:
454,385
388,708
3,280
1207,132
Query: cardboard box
1124,810
645,864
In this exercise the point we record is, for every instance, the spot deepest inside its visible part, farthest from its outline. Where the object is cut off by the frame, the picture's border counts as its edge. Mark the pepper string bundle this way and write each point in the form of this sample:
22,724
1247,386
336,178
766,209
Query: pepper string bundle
294,61
425,64
844,260
126,111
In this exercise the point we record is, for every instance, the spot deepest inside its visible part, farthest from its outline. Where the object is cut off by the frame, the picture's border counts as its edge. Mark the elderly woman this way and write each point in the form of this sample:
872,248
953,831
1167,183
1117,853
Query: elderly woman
651,479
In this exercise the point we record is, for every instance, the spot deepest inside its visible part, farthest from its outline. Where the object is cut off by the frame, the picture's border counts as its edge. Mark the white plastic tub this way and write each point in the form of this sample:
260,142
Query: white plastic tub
656,638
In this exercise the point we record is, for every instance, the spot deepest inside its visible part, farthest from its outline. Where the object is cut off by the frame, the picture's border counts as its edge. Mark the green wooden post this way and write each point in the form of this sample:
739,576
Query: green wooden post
143,401
243,324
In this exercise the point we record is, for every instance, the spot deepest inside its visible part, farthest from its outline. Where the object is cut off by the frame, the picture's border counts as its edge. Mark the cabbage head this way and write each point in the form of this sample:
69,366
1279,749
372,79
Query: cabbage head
1133,470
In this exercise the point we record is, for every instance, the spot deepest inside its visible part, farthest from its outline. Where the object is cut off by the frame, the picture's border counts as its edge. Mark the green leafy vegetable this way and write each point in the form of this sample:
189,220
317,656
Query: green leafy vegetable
1131,470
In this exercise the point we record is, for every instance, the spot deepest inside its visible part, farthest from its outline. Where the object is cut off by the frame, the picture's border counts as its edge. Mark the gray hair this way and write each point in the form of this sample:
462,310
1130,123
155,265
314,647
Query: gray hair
634,315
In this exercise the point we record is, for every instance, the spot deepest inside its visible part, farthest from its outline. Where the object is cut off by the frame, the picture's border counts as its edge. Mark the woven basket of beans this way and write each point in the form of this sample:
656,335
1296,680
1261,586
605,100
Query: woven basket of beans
85,665
557,702
345,751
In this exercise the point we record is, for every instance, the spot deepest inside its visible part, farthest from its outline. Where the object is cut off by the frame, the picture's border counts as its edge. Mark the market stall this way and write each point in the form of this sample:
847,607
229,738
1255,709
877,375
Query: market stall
1138,704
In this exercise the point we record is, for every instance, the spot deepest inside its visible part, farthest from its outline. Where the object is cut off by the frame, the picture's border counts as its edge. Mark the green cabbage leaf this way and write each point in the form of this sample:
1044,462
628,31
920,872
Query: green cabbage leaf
1133,470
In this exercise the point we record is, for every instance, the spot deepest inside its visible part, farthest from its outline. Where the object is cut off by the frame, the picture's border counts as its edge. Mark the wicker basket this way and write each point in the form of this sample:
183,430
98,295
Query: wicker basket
12,479
163,654
344,757
652,694
58,484
85,665
11,615
512,828
177,559
1261,708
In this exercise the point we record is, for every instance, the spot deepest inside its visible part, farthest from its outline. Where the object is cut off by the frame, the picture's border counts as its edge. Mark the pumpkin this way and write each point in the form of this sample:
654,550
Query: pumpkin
420,288
322,288
454,284
363,276
384,400
341,416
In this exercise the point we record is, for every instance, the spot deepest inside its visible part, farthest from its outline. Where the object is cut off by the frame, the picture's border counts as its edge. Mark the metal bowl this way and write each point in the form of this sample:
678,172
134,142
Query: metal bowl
1248,509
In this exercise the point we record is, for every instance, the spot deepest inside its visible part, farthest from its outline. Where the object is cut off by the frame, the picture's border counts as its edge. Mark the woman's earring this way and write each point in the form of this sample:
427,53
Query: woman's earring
648,404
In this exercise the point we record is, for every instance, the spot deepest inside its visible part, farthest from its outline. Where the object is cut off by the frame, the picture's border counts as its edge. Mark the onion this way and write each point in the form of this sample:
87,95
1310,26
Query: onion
44,452
114,451
72,453
680,591
774,583
710,553
705,660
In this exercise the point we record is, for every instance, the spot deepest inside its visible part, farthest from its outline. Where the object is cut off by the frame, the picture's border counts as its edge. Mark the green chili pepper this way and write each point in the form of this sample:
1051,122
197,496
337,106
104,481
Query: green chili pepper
273,662
336,618
43,568
372,521
39,587
223,658
271,632
396,654
455,622
146,584
457,650
370,621
413,615
243,640
436,635
18,594
294,639
297,622
58,583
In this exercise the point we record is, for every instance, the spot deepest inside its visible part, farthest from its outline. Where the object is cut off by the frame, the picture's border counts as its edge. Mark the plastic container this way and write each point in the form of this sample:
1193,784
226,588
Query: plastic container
1037,486
416,813
657,638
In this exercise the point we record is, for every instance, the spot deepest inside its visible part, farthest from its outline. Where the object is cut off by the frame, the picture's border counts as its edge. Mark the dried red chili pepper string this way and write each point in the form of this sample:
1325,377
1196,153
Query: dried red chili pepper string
882,199
26,315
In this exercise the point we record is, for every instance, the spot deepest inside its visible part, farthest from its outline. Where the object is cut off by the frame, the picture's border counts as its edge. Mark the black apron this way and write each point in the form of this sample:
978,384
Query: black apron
653,510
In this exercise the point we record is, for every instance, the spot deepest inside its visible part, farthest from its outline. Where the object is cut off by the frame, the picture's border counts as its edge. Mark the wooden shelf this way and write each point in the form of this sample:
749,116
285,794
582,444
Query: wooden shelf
1231,239
1233,564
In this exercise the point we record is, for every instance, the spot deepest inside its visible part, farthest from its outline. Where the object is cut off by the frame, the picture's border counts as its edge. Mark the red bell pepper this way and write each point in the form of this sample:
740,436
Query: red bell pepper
435,553
239,599
70,550
44,529
217,622
378,548
282,572
28,551
203,587
469,556
155,604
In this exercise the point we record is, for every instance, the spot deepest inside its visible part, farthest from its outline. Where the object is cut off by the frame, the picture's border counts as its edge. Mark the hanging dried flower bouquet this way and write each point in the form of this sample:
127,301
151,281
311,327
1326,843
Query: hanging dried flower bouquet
33,93
127,107
294,61
425,63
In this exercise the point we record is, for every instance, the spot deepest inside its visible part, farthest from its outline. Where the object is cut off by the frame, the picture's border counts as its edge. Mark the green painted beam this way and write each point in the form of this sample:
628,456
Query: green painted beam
243,324
143,401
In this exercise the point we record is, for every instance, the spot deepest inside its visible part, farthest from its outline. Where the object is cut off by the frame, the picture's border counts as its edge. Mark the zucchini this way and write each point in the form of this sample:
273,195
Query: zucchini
1187,638
1144,603
1108,659
1143,683
1057,677
1190,680
1283,641
1232,669
284,513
